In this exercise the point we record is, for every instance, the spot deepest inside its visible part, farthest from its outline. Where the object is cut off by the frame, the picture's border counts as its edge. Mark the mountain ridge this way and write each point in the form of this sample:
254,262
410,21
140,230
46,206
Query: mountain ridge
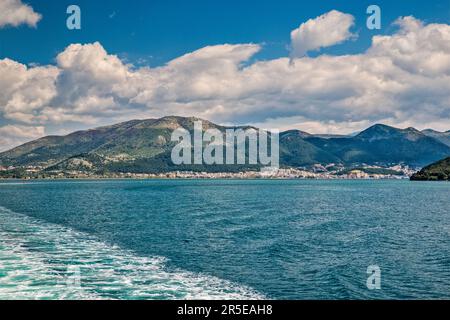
144,145
444,137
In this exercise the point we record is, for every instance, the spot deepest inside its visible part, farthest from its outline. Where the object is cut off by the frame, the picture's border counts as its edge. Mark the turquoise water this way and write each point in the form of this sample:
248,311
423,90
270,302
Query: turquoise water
223,239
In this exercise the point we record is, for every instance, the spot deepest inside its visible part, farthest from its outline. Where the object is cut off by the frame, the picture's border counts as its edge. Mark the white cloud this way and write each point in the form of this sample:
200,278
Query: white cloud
201,75
403,79
25,90
15,135
327,30
15,13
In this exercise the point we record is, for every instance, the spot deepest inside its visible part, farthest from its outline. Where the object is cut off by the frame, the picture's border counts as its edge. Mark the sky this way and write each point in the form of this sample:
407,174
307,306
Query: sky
313,65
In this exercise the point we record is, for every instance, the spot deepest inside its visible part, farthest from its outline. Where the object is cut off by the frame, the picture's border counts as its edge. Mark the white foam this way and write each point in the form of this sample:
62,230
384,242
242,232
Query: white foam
39,260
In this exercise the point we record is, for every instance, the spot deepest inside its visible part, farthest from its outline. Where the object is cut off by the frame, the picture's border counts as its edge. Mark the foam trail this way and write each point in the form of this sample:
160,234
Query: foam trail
39,260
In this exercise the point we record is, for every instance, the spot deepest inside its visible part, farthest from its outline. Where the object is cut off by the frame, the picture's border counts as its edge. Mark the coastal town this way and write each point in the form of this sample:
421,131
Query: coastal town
317,171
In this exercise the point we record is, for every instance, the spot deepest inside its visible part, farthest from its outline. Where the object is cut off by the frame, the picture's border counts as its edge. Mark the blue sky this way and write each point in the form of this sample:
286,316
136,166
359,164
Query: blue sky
158,31
313,65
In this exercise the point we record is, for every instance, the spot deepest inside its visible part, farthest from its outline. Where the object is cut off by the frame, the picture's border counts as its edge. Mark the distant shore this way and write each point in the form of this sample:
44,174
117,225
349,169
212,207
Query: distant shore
224,177
320,172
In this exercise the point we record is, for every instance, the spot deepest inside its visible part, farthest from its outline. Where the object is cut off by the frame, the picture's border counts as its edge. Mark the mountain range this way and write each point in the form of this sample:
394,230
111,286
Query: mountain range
443,137
144,146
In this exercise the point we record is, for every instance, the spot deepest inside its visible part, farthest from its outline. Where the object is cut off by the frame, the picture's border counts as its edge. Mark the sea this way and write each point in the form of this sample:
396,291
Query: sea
224,239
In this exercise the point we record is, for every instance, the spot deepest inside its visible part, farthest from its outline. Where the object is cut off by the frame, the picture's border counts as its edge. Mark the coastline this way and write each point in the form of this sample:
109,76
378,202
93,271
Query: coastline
265,173
187,178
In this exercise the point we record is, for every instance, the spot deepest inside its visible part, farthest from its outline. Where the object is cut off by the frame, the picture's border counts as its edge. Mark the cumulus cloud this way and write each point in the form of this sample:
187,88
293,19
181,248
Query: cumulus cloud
327,30
25,91
403,79
15,13
16,134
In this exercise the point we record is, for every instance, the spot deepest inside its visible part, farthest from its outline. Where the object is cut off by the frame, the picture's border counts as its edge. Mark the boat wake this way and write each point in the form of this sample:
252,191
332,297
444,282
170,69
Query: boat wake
39,260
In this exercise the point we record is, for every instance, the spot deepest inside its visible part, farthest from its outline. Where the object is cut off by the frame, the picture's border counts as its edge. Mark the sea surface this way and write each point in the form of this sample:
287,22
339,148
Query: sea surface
223,239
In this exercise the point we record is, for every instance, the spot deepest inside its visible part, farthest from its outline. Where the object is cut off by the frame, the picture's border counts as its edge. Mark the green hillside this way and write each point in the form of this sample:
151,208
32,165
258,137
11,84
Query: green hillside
144,146
435,172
